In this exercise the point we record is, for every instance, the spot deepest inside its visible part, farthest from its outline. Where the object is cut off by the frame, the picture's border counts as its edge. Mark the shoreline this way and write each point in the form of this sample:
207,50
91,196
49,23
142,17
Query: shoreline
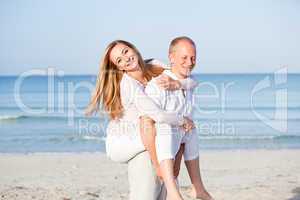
104,153
231,174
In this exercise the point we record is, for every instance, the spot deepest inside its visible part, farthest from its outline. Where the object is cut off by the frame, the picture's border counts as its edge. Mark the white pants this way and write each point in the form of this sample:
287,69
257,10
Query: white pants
123,148
123,142
168,140
143,182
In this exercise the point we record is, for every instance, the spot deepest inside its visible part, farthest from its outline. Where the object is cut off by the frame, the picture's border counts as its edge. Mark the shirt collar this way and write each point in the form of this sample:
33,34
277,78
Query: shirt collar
133,79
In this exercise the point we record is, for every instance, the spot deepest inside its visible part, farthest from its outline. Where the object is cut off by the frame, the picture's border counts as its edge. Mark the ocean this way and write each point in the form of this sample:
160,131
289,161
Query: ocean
232,111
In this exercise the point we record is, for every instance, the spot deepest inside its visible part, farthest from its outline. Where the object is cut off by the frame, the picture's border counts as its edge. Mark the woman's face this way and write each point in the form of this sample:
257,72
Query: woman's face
124,57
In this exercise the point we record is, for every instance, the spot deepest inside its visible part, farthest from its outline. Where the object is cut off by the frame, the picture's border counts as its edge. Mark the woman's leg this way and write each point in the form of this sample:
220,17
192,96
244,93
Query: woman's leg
123,141
148,133
166,167
167,171
145,186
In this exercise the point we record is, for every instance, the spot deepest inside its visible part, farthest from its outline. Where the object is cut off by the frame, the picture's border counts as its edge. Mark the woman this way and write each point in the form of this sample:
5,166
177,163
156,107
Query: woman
120,90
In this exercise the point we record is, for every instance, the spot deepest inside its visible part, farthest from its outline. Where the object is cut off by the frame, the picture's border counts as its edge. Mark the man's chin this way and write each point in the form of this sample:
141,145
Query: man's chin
186,74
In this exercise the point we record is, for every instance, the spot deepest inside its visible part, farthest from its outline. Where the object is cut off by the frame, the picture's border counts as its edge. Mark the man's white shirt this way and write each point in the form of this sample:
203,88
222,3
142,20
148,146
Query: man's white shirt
170,137
171,100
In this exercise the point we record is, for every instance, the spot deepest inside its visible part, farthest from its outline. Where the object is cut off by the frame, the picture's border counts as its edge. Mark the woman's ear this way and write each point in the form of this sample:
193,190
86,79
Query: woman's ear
119,68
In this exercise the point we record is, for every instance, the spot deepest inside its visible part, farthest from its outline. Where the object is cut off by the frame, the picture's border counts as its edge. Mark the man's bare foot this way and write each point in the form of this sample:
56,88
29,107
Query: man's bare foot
200,194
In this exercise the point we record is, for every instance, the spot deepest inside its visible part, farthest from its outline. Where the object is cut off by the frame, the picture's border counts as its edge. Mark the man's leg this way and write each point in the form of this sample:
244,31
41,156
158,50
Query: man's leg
143,182
198,189
191,156
178,159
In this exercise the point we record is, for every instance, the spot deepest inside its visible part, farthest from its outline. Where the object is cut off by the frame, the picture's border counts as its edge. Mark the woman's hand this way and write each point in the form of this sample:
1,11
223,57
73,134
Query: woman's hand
167,83
188,124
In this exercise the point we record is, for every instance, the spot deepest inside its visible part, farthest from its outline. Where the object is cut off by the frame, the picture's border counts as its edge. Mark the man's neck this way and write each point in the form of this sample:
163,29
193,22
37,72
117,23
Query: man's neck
177,74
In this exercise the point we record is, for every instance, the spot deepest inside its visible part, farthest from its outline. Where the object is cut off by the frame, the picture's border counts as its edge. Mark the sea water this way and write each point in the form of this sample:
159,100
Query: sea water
232,111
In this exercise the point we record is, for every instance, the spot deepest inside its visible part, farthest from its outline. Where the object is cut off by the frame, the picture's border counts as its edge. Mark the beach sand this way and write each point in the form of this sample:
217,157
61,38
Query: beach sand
229,175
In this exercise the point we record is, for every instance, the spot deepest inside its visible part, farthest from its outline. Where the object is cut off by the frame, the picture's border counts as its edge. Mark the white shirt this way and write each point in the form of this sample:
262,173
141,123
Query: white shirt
169,137
178,101
123,140
136,103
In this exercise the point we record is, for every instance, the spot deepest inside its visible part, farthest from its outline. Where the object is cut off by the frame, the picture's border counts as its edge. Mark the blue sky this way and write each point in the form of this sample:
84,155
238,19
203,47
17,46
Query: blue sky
70,35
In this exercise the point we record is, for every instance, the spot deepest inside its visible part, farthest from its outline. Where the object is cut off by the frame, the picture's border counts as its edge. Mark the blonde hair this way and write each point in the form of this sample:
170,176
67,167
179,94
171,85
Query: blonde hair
107,90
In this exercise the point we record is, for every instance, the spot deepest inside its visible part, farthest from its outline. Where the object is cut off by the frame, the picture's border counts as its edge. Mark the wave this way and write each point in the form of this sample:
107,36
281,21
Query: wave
44,117
203,107
203,139
64,108
12,117
102,138
250,137
220,119
88,137
208,107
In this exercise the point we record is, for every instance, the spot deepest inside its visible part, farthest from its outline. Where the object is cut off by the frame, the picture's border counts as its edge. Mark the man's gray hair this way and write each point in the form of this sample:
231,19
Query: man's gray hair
176,40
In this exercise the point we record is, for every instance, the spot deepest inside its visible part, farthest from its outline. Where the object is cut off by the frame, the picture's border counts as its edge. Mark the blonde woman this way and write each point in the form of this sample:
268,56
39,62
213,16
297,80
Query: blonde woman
120,90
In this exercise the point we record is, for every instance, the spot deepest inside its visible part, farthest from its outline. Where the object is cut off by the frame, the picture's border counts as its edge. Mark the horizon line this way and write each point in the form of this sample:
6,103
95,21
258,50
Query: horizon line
205,73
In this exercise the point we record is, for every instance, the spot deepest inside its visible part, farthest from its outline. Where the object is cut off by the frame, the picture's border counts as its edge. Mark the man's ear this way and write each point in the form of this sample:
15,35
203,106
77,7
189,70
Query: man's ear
171,58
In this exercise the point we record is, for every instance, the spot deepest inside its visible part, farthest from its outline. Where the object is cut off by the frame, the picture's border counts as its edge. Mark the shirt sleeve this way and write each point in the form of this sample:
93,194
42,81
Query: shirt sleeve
133,93
188,83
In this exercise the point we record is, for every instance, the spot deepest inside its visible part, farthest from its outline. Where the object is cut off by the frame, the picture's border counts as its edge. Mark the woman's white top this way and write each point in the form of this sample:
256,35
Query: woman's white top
123,140
136,104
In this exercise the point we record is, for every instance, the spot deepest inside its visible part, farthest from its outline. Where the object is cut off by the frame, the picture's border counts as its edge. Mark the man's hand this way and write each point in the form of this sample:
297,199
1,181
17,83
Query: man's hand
158,172
167,83
188,125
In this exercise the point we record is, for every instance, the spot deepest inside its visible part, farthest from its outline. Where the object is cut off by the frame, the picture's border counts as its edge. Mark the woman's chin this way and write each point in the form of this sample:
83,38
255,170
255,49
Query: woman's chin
133,68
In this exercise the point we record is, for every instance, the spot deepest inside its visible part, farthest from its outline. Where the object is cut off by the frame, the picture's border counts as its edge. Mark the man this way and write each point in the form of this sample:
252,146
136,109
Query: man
182,56
144,184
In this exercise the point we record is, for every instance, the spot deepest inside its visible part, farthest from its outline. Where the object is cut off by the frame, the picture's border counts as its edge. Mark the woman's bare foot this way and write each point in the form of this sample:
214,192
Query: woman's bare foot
174,197
201,194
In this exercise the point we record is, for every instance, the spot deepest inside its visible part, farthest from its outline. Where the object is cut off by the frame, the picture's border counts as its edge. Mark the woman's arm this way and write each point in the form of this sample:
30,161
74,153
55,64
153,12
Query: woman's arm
188,83
147,107
167,83
131,92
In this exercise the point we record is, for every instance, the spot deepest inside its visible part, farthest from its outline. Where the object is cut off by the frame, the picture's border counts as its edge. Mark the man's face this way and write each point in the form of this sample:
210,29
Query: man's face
183,58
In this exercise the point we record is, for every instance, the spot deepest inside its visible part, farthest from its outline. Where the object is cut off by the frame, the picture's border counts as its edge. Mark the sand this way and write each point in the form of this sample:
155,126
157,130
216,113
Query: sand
229,175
